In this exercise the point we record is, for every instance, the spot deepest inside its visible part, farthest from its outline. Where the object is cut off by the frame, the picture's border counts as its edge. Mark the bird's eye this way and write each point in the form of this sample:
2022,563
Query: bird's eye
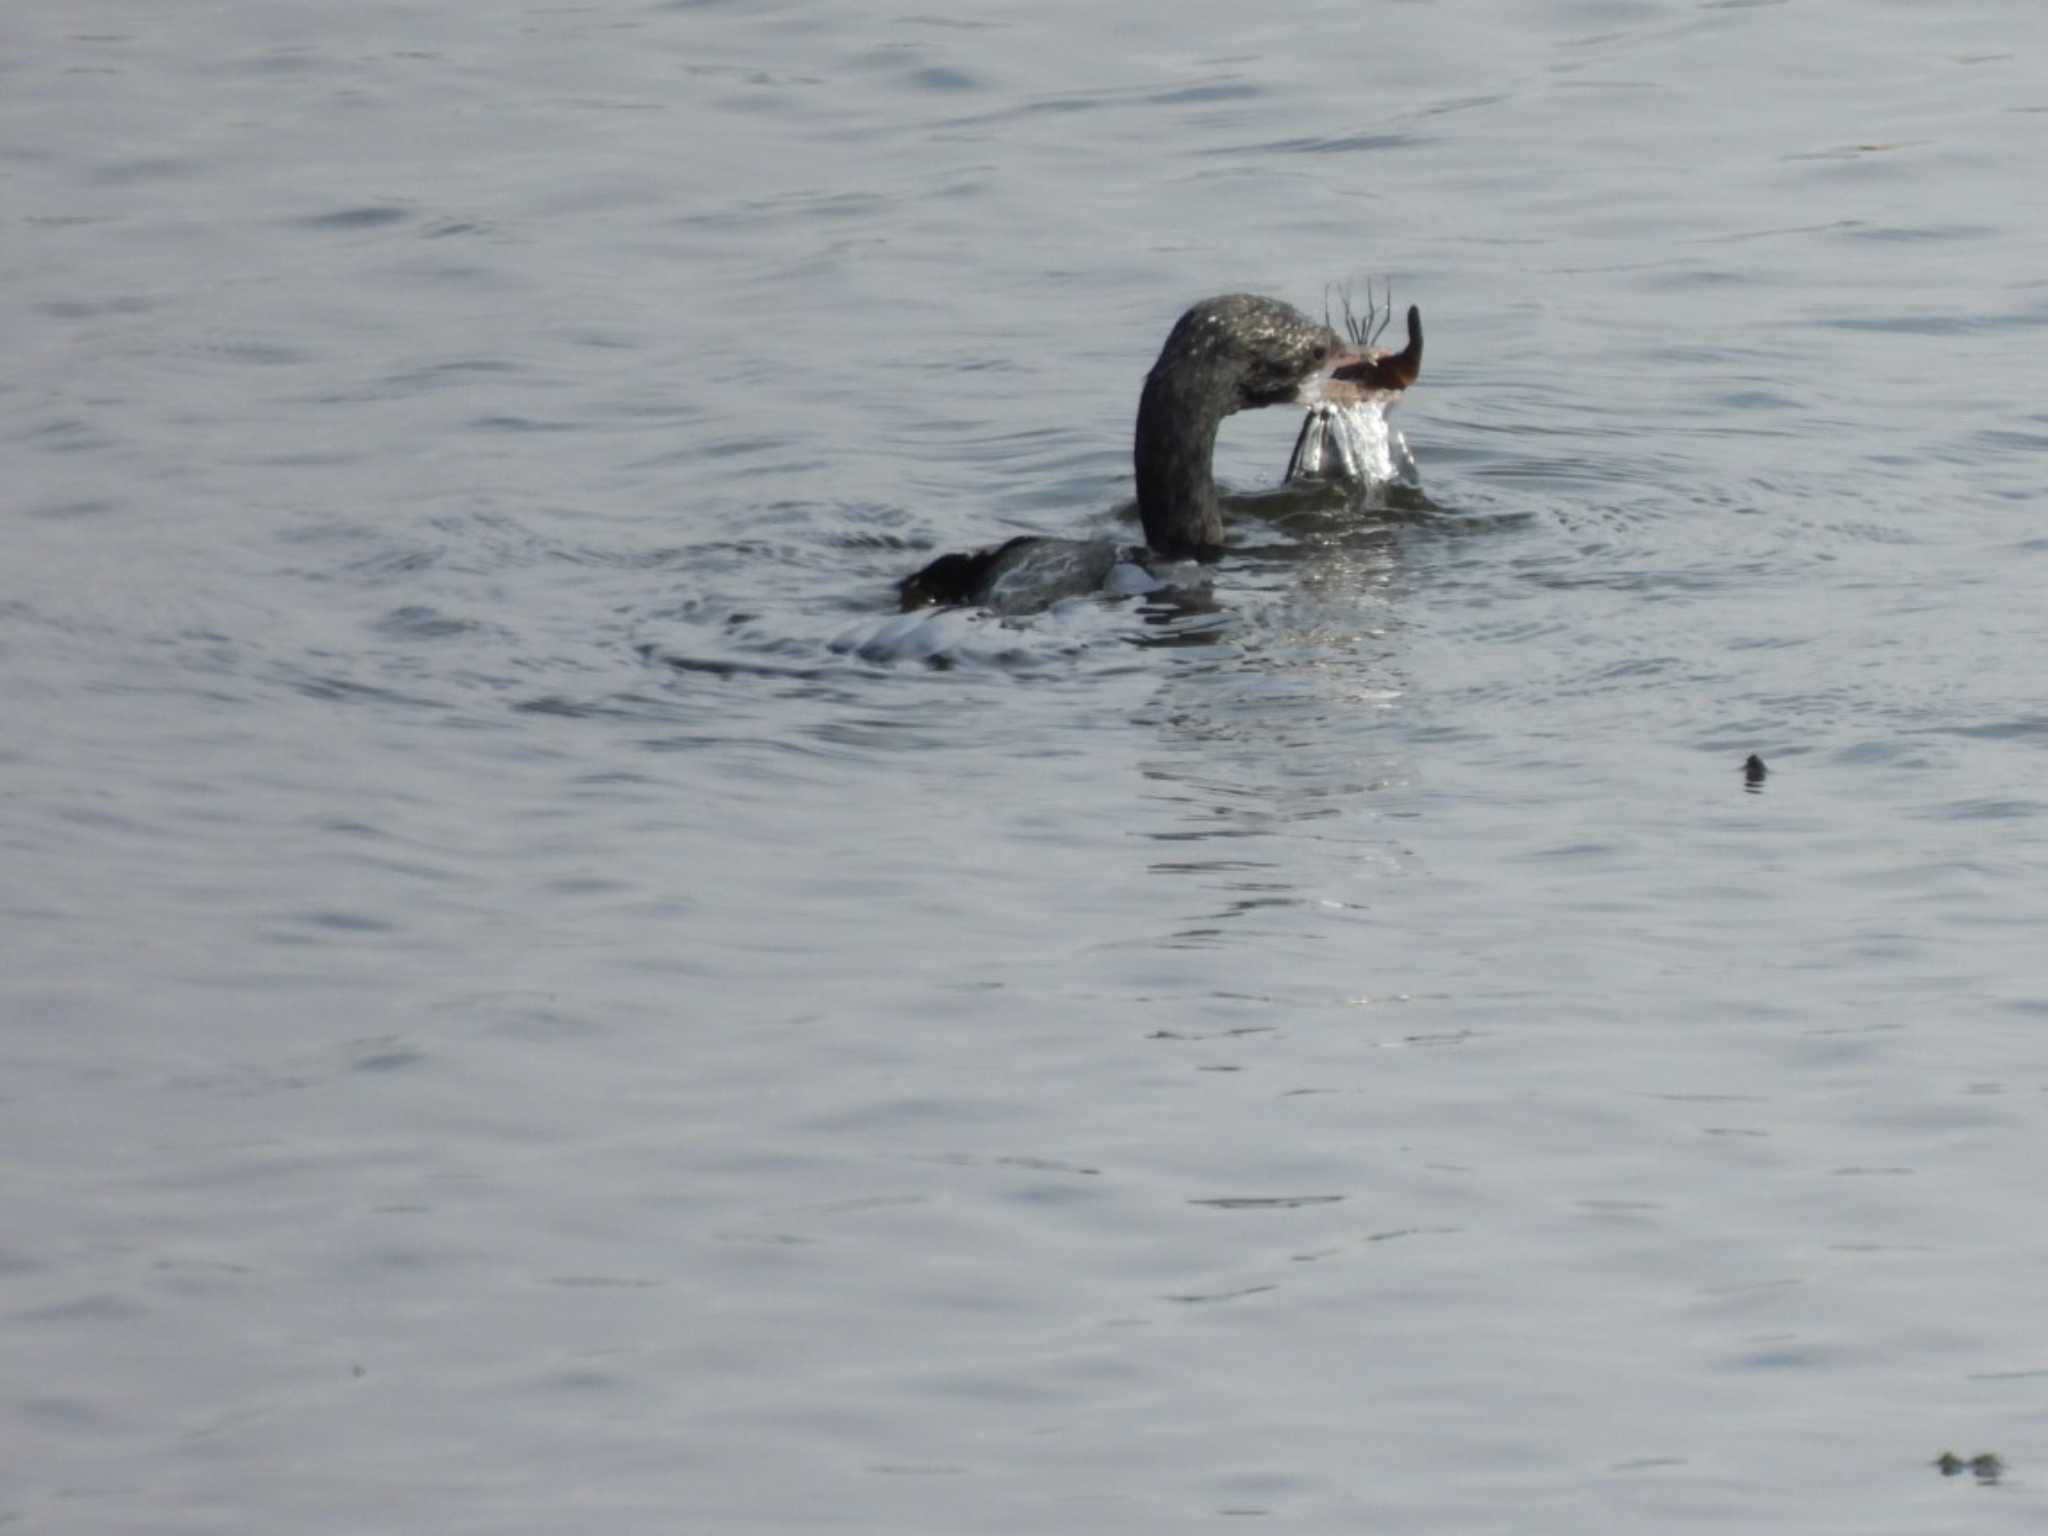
1322,351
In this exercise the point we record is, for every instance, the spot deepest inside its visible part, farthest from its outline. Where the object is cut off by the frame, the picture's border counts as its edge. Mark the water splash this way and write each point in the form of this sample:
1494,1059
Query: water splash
1352,441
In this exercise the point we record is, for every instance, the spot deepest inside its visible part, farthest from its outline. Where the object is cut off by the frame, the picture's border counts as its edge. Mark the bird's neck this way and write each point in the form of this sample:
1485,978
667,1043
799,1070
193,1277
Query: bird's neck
1174,449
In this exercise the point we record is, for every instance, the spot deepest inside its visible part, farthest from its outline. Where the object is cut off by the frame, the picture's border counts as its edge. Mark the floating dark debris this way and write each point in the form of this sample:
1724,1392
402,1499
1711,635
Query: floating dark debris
1986,1467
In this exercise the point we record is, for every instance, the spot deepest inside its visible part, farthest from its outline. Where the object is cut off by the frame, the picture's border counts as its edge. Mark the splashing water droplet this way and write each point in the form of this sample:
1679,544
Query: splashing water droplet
1352,441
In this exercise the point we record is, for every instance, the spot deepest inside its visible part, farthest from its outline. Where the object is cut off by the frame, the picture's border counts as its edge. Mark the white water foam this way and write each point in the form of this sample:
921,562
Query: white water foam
1353,441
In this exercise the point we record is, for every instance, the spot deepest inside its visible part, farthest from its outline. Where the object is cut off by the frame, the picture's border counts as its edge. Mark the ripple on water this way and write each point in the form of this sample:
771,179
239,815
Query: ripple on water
1342,144
417,622
367,216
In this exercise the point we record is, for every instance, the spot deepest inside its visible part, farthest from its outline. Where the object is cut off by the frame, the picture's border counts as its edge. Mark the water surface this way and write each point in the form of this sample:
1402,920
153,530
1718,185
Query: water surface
534,1002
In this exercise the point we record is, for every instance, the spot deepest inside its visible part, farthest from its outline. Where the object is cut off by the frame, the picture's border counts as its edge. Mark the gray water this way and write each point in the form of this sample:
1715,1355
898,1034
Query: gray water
533,1002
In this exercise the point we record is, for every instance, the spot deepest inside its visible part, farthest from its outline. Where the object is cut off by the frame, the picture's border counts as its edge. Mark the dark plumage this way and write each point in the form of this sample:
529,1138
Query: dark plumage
1233,353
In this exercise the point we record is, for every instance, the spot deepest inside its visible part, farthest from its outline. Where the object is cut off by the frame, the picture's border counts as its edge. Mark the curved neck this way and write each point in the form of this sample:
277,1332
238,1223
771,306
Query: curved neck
1173,448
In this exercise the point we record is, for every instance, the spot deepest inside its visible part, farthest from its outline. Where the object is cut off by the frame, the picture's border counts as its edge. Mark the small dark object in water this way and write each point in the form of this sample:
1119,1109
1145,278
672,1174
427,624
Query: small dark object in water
1987,1467
1753,769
